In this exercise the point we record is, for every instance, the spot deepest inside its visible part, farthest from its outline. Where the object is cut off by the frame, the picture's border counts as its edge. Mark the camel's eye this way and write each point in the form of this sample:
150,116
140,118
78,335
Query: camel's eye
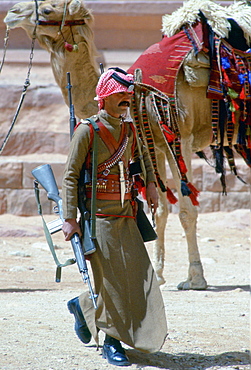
46,11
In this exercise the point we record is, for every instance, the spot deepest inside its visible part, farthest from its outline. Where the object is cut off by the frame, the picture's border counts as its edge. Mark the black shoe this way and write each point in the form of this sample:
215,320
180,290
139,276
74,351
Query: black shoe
81,328
114,353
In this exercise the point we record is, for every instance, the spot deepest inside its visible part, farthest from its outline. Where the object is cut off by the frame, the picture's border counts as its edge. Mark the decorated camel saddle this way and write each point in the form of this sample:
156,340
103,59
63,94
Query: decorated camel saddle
208,46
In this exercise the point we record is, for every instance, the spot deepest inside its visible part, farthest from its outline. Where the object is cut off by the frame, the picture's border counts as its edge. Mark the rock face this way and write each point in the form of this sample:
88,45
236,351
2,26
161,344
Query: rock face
41,135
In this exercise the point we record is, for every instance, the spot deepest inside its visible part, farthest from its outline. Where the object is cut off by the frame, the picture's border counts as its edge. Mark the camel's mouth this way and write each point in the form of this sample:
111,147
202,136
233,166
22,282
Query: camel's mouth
15,16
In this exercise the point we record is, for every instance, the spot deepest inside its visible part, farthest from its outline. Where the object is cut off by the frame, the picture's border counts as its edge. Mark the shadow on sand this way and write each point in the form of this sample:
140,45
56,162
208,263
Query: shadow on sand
185,361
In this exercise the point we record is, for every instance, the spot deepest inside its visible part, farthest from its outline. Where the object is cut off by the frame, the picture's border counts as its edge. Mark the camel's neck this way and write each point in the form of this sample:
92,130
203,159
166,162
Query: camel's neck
84,77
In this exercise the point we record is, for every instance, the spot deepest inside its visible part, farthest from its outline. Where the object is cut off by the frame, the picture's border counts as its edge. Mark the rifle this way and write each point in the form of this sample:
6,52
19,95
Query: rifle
44,176
71,106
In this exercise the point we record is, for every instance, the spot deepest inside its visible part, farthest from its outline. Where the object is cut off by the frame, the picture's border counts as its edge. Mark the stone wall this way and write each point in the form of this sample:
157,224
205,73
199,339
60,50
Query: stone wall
17,193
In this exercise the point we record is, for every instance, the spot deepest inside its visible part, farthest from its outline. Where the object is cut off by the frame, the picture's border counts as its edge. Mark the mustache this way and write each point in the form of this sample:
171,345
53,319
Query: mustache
124,102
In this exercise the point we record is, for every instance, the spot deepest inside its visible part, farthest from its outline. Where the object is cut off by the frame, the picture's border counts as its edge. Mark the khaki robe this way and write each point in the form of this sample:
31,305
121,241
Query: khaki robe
130,304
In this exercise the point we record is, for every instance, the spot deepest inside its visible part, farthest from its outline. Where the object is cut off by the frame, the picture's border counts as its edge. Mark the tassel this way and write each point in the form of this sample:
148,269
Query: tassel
225,63
75,48
143,192
242,78
193,199
232,93
182,165
194,194
140,185
68,47
170,136
170,196
219,160
185,191
193,189
231,107
242,94
223,184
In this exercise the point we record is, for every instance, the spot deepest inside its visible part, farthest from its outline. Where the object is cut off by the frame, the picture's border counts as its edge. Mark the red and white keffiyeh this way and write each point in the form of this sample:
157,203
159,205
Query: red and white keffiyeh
107,85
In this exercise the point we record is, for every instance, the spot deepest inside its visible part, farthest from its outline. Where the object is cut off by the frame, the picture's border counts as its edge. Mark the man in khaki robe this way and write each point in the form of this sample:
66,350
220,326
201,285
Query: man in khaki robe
130,305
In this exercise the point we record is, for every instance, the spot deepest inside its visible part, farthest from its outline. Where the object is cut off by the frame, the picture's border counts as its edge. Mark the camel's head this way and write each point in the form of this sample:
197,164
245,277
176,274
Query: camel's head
52,16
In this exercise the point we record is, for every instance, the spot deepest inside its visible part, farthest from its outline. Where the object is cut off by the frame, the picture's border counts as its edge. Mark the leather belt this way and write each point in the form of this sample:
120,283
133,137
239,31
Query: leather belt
108,187
108,196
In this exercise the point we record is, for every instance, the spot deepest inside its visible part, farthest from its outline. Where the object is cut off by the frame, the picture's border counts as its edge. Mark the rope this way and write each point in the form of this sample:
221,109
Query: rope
64,16
6,40
26,83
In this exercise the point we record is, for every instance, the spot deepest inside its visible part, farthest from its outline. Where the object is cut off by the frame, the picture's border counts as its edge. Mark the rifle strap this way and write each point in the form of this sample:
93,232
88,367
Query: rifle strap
49,238
94,178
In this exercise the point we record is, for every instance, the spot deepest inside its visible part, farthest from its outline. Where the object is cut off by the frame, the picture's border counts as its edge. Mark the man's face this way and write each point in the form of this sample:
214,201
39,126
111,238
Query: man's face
117,104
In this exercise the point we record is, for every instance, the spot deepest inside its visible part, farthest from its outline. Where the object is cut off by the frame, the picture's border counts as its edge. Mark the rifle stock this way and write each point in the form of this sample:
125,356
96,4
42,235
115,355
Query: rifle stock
44,176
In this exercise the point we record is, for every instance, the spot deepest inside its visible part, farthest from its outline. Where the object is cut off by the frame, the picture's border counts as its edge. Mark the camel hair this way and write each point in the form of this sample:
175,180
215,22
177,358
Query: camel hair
194,108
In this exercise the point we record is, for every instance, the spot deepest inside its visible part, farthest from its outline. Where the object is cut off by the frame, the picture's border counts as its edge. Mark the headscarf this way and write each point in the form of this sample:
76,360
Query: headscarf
108,85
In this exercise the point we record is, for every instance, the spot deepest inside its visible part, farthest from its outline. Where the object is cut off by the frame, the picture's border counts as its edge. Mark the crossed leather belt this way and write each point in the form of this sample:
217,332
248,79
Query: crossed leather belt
108,188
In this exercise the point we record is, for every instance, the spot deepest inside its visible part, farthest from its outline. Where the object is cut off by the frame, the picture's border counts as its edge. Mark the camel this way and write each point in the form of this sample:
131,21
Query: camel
61,37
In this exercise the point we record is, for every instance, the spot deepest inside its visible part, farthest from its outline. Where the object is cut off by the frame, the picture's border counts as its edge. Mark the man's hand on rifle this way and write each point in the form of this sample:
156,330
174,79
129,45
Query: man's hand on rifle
70,227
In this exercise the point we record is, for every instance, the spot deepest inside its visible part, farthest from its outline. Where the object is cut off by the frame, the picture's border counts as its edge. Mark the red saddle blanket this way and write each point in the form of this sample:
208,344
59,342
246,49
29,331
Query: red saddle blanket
160,63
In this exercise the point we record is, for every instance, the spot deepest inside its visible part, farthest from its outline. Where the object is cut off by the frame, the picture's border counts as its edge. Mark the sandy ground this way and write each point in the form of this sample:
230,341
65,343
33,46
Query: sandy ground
207,329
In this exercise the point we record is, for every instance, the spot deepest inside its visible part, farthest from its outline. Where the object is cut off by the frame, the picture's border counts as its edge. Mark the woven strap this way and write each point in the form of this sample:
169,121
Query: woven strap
49,238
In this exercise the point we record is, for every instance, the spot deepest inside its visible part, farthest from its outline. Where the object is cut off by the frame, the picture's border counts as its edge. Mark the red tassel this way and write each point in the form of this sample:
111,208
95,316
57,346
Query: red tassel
236,105
226,78
242,94
170,196
193,189
193,199
170,136
143,192
140,186
193,196
182,165
68,47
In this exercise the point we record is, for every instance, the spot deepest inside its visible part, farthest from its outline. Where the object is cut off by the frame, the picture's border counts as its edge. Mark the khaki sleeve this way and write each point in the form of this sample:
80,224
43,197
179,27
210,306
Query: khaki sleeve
76,158
150,176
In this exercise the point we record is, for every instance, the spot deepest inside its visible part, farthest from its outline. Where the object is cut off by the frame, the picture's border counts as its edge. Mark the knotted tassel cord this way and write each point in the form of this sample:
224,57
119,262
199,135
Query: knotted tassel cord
234,87
167,120
26,84
141,122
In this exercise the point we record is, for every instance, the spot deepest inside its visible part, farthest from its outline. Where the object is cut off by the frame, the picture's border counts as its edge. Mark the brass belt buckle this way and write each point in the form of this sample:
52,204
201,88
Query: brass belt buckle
101,185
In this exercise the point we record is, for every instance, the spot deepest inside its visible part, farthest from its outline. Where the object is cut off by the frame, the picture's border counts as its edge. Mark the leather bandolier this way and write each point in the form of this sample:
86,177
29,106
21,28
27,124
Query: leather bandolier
109,185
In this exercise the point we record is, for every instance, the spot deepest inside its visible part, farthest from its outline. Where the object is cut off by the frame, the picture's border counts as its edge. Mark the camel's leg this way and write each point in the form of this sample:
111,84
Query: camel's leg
161,219
188,217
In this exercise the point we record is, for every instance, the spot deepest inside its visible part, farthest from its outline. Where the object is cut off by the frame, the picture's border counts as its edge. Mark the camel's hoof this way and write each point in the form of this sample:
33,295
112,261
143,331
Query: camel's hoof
184,285
187,285
195,279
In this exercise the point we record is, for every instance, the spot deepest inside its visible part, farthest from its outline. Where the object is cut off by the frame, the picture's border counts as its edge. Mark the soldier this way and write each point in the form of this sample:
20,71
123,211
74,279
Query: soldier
130,305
